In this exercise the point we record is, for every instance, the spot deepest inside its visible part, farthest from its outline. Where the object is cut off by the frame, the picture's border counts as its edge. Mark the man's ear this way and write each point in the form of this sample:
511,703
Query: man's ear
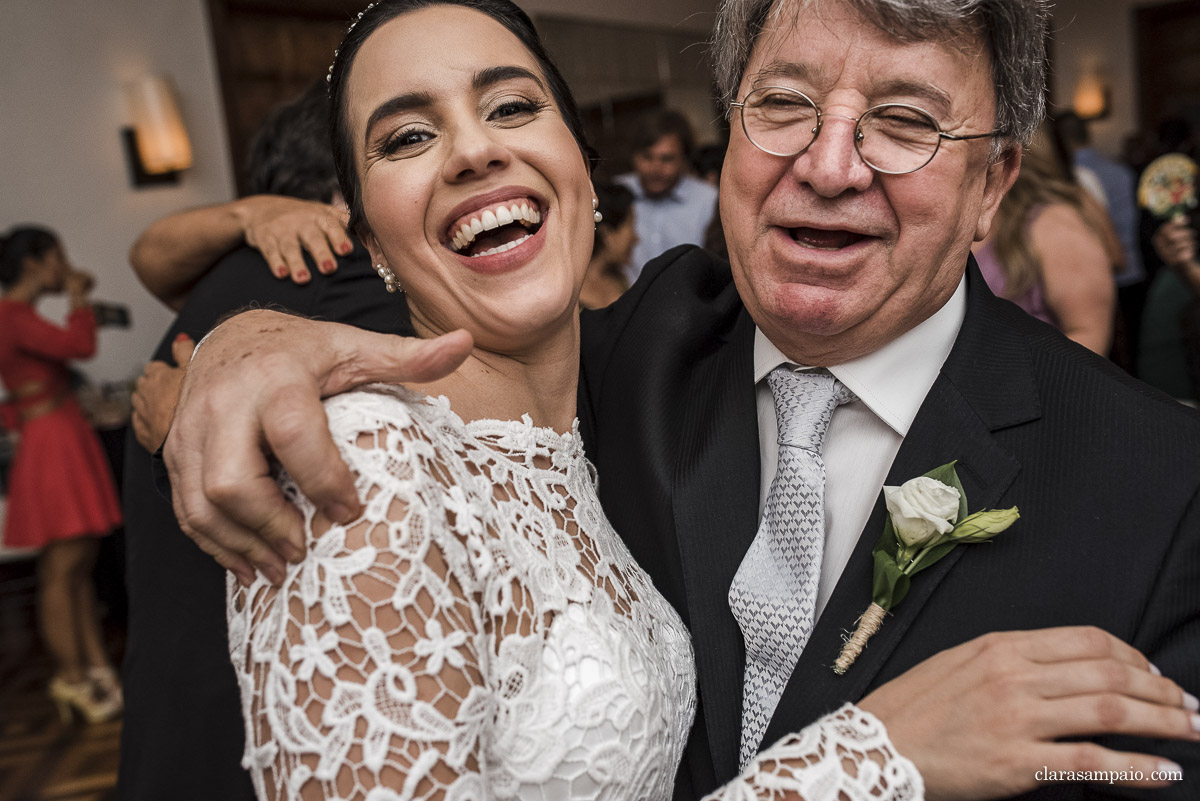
1001,175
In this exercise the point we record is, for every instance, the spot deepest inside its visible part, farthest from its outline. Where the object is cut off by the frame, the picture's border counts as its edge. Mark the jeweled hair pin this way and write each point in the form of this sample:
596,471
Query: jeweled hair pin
329,74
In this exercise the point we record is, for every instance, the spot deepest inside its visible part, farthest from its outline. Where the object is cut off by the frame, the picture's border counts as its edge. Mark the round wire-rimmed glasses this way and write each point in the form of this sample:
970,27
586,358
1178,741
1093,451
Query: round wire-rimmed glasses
892,138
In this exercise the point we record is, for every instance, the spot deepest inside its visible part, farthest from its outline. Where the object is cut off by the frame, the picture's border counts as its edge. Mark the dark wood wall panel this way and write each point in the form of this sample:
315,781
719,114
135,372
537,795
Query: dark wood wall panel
268,52
1168,58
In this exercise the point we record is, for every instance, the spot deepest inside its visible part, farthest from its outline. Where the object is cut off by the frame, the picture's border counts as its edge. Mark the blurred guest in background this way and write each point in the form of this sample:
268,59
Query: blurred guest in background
187,743
615,239
1118,193
673,208
61,495
1170,345
708,162
1170,330
1052,252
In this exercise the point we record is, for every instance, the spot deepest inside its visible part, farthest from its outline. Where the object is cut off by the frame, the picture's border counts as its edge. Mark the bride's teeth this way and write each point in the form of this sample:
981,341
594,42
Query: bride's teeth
489,220
501,248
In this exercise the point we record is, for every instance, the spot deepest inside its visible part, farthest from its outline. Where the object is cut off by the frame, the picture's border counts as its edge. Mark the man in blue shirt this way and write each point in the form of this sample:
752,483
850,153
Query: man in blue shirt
670,207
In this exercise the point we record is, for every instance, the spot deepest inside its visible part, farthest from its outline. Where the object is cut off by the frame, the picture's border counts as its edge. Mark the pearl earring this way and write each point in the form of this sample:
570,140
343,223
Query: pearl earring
390,283
596,215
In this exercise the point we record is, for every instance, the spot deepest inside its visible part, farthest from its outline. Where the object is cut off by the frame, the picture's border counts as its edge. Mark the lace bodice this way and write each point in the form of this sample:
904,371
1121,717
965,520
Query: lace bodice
481,632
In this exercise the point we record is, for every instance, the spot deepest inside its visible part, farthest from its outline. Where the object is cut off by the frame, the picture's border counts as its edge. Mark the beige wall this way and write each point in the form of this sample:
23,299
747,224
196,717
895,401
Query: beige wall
61,72
1098,35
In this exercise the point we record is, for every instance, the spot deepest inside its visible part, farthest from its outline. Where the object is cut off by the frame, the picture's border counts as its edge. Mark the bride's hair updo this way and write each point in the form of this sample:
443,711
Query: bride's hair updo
22,242
376,14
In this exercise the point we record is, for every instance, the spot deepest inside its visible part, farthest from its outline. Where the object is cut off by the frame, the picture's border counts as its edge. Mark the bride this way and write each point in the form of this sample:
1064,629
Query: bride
480,630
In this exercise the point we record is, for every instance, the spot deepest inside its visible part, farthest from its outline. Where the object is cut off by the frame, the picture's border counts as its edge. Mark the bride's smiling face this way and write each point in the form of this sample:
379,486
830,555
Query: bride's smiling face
475,192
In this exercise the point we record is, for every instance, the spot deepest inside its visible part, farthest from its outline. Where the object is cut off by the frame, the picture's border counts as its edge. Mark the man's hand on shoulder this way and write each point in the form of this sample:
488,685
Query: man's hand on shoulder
254,389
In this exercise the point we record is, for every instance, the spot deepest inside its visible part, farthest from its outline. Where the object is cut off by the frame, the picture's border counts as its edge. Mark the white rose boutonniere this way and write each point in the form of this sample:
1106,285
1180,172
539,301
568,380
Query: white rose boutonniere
921,509
927,518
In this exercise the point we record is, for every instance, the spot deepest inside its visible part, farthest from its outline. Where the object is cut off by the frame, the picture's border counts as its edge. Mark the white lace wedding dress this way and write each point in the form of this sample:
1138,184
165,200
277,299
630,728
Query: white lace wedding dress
481,632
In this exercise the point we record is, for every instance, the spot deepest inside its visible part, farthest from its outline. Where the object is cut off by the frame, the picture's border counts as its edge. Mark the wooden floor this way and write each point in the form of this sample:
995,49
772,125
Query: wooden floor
40,757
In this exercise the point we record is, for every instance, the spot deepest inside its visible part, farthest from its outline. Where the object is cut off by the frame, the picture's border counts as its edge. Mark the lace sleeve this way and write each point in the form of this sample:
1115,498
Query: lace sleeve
362,676
844,756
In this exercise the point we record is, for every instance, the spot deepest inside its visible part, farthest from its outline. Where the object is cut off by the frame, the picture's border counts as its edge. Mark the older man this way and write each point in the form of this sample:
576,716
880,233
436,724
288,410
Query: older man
872,142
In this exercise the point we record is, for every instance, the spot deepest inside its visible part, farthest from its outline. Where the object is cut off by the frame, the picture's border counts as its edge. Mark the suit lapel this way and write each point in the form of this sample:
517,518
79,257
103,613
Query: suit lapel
715,502
985,385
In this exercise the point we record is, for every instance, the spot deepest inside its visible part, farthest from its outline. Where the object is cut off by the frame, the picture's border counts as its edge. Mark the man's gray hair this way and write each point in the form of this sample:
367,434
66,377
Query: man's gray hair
1014,32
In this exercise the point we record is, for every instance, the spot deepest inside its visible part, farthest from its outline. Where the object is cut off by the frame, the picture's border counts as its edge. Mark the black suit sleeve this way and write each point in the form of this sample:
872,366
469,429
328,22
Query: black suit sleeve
353,294
1169,636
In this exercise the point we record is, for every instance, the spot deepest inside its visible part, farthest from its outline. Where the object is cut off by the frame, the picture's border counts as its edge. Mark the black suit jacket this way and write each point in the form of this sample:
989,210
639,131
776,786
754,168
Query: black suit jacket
182,737
1106,473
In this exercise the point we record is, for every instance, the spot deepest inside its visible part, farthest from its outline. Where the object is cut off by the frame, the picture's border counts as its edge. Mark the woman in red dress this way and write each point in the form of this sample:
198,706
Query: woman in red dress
61,496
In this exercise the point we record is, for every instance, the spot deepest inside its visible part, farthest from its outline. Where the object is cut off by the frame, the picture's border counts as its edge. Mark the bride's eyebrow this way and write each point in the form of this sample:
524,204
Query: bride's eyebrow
395,105
484,79
487,78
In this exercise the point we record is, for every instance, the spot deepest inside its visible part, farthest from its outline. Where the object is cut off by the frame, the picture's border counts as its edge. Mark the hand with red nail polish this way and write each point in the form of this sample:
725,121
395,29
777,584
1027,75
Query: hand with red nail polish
285,230
175,252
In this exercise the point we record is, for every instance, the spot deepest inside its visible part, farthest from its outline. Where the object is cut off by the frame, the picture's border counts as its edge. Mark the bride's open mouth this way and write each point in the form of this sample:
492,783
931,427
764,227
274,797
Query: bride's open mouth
496,228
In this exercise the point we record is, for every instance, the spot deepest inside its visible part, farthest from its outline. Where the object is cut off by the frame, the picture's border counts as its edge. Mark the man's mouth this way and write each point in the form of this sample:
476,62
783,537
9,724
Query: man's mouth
495,228
821,239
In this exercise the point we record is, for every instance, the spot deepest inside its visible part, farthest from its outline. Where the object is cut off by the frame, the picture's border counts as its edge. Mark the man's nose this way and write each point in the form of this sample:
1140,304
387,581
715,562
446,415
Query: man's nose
832,164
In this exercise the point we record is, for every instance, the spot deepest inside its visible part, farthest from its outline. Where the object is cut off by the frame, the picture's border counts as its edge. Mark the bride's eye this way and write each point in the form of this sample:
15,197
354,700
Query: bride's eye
515,110
405,142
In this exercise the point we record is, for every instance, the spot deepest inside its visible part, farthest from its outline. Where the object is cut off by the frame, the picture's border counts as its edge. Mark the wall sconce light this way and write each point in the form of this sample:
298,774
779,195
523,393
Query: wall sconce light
1091,97
156,146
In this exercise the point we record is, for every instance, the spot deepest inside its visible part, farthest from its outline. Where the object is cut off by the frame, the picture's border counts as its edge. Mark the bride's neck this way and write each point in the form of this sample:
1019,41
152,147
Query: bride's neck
541,382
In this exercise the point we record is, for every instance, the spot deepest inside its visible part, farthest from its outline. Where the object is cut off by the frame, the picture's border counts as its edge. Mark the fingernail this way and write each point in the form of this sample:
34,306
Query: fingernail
1166,766
180,337
290,552
345,248
302,275
1154,669
327,265
339,513
272,572
1196,723
1190,702
281,272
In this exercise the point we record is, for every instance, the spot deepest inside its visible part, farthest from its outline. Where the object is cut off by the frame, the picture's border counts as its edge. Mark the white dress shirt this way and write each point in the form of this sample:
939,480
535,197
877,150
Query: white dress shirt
863,436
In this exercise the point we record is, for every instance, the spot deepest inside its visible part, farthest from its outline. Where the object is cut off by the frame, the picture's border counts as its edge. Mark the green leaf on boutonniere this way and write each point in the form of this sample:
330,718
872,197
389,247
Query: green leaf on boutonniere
927,518
890,581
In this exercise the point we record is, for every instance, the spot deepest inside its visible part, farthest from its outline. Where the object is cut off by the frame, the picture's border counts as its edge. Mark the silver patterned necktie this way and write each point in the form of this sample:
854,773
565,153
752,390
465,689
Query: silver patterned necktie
774,594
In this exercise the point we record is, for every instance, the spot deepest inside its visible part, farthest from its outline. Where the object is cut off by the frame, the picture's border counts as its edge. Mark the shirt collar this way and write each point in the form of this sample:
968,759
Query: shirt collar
894,380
